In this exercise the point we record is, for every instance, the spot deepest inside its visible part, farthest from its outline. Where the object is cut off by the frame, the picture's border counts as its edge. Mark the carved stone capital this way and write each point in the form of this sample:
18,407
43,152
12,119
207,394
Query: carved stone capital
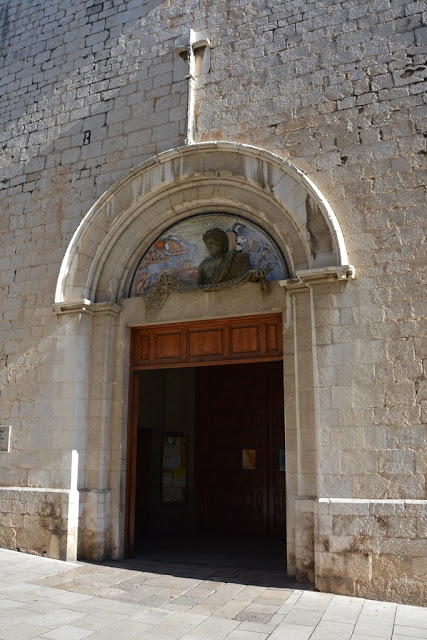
305,278
86,306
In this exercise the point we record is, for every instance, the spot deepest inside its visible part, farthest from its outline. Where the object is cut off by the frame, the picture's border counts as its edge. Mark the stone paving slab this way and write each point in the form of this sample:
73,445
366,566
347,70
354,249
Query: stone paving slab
53,600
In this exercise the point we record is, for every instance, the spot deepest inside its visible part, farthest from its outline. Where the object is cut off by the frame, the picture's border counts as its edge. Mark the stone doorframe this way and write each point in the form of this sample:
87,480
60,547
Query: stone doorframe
95,318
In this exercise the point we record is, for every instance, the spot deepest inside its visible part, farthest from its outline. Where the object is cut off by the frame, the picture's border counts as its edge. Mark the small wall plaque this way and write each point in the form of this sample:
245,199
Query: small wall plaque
5,439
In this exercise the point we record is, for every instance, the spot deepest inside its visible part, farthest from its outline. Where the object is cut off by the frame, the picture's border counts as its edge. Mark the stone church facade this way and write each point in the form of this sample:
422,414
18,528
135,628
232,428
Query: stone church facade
121,119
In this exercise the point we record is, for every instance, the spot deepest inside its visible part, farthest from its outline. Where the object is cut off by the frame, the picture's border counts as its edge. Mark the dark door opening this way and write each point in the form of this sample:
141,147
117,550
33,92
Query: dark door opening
241,490
210,479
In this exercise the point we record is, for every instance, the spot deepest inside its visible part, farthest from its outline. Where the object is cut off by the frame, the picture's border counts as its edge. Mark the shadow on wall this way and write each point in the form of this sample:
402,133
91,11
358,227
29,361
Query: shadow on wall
4,24
149,5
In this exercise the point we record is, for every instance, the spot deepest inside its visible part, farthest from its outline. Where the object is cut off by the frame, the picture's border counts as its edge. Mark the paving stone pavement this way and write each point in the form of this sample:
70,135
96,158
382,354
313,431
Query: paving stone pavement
54,600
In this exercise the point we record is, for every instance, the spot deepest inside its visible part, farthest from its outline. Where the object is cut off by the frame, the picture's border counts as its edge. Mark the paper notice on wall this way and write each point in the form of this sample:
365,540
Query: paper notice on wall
179,478
174,468
173,495
167,480
171,457
248,458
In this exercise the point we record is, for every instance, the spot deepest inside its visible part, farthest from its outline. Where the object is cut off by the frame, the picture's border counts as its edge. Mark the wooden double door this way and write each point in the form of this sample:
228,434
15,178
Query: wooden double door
239,470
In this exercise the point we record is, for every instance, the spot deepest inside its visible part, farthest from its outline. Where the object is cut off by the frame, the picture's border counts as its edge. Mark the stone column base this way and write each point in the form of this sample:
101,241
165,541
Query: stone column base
304,539
94,525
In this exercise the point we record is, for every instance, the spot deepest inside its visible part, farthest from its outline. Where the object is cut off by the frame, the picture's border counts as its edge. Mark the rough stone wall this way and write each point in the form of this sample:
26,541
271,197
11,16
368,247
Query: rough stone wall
40,521
88,90
371,548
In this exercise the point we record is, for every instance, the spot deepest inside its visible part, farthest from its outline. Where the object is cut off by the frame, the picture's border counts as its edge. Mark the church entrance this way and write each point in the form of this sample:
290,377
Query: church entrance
207,447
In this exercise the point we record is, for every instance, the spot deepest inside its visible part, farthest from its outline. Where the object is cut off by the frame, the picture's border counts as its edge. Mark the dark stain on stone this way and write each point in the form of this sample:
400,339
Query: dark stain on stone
320,240
4,24
382,522
52,521
302,577
97,7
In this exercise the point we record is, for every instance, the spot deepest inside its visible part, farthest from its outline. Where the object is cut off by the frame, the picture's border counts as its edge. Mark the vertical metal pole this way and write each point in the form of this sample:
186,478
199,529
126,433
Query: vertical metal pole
191,90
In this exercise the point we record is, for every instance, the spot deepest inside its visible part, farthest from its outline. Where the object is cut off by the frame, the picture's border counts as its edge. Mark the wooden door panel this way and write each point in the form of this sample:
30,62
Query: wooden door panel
238,409
272,337
208,342
142,348
245,340
279,522
167,346
228,492
277,438
142,485
225,340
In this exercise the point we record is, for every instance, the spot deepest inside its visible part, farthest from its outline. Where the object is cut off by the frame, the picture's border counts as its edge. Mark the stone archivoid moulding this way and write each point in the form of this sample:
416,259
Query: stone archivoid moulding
236,179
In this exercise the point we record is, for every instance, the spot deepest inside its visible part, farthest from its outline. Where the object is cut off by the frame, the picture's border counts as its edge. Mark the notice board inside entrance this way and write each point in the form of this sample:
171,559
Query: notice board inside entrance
174,468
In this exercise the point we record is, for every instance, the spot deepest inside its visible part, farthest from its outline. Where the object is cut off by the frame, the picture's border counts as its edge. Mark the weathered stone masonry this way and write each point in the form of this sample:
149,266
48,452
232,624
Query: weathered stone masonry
89,91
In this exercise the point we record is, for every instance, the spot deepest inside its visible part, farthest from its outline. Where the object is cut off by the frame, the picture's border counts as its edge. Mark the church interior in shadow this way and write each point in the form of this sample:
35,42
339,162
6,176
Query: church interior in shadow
210,466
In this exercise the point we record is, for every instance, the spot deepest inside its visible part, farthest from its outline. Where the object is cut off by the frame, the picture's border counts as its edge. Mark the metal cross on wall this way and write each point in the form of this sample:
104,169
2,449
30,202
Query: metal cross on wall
195,47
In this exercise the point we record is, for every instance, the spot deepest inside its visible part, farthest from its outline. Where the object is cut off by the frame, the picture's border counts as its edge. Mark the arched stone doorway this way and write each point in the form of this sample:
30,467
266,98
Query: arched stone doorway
97,315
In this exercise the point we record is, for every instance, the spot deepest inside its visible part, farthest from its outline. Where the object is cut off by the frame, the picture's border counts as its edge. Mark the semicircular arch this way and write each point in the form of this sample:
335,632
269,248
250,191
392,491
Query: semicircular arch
202,178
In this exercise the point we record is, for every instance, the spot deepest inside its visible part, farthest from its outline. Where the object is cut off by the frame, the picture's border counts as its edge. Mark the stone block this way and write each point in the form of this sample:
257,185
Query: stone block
398,461
398,527
418,568
338,544
360,566
324,524
404,591
400,547
335,485
400,393
368,395
342,585
349,507
387,507
366,526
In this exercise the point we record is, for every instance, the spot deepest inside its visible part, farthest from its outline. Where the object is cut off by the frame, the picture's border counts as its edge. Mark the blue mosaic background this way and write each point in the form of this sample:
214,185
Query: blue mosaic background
181,249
